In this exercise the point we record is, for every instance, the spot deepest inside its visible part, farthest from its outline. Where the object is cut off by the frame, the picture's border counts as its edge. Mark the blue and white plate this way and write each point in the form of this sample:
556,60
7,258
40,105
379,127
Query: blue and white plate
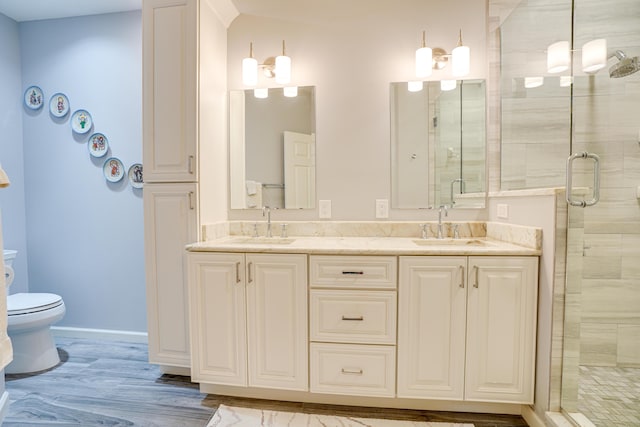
81,121
59,105
135,175
33,98
113,169
98,145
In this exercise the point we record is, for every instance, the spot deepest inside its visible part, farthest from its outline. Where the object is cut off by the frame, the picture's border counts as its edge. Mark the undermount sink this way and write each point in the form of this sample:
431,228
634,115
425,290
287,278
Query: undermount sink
451,242
262,241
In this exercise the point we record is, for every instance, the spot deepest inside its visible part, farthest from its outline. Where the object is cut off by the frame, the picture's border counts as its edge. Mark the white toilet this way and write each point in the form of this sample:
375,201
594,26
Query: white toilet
30,316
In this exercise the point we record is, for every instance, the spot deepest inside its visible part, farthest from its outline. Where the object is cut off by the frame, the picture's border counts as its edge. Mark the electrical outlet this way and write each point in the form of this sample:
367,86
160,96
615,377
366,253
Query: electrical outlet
382,208
324,209
503,211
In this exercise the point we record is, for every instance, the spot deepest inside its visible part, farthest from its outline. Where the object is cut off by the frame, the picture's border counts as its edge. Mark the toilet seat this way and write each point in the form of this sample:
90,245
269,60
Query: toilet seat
26,303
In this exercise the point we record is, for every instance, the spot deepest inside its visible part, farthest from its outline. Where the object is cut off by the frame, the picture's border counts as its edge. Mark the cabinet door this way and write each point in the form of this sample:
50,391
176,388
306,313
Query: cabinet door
218,315
277,321
169,90
501,329
431,327
170,222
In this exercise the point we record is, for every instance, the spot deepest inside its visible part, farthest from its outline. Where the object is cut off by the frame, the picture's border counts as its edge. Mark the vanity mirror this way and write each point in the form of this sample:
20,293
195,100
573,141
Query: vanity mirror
438,145
272,149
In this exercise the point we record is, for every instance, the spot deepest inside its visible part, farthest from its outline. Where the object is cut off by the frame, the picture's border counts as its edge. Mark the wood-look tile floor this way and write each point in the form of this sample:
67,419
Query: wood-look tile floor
107,383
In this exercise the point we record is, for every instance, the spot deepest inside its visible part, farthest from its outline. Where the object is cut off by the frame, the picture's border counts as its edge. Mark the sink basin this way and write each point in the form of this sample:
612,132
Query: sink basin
262,241
451,242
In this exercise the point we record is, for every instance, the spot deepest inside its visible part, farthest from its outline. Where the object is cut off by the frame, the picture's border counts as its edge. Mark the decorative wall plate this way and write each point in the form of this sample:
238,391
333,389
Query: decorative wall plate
59,105
135,175
113,169
81,121
98,145
33,98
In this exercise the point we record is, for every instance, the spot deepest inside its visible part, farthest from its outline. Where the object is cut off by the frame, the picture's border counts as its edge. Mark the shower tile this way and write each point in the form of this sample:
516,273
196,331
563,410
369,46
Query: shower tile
598,344
602,267
630,268
629,345
598,245
610,301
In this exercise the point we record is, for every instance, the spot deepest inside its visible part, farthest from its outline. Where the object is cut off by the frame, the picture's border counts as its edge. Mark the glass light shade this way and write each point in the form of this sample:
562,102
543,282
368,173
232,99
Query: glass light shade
283,69
290,91
594,55
460,61
414,86
558,58
531,82
566,81
446,85
261,92
249,71
424,62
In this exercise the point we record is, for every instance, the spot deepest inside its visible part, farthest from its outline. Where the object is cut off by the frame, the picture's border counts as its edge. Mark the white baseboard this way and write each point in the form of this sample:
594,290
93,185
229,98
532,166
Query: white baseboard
4,404
531,417
102,334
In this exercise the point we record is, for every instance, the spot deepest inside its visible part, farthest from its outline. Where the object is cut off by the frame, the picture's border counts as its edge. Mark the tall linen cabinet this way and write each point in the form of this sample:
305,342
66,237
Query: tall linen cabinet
184,116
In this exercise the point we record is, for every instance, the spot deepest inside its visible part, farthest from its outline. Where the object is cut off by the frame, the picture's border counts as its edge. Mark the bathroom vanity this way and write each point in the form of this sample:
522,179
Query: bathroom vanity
354,320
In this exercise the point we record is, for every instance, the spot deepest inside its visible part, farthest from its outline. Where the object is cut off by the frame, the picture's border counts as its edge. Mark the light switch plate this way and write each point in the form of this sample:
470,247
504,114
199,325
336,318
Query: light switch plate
324,209
382,208
503,211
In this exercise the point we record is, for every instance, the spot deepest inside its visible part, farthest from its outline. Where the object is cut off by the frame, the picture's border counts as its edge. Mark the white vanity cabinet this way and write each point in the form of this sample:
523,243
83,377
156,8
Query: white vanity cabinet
352,323
170,119
170,223
249,319
467,328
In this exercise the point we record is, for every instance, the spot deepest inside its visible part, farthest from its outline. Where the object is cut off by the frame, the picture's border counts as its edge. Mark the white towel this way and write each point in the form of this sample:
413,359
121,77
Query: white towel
254,200
252,188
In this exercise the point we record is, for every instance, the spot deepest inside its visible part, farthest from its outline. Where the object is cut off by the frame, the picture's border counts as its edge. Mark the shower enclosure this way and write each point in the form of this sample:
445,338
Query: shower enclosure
598,113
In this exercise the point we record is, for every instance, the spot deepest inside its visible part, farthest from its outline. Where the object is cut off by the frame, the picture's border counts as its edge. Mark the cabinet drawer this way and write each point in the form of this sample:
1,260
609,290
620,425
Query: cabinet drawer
362,370
367,317
353,272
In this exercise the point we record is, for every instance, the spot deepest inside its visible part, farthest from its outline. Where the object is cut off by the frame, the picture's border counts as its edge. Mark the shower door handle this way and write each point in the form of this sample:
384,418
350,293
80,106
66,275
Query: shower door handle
596,179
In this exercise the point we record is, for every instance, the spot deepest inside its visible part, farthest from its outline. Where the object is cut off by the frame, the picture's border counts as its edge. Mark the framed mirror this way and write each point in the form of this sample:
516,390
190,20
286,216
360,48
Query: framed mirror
438,139
272,149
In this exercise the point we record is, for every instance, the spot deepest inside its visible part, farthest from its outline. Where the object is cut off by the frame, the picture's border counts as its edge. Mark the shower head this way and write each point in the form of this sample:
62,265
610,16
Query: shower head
625,65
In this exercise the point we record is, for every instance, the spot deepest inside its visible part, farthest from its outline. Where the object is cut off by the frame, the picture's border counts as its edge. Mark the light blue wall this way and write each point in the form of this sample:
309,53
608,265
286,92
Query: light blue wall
12,199
84,234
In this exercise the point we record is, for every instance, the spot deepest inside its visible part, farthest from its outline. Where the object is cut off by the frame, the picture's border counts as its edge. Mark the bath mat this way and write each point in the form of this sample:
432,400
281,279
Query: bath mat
227,416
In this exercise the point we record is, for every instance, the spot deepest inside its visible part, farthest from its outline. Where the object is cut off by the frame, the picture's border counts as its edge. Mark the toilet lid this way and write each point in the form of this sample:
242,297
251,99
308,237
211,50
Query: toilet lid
23,303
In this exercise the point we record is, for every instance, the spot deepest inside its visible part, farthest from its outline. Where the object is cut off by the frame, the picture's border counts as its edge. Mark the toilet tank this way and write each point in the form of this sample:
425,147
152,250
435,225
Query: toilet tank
9,256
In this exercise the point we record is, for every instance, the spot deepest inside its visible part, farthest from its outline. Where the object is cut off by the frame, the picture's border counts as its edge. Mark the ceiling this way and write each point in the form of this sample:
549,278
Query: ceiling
32,10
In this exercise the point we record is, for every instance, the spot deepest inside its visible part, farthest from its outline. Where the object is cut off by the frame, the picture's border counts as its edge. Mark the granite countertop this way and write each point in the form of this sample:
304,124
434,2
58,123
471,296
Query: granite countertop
363,246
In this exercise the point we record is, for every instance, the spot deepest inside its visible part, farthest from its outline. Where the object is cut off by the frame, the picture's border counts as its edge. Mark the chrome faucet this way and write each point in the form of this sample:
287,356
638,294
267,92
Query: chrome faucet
446,212
267,210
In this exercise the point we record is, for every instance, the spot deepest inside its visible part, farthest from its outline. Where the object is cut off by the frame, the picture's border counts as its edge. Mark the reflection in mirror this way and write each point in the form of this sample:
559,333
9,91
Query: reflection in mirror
272,150
438,145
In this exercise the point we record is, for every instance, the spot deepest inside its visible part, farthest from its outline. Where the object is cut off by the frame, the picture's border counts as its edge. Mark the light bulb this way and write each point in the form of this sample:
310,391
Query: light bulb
558,57
414,86
250,69
446,85
531,82
424,60
261,92
290,91
460,59
594,55
283,68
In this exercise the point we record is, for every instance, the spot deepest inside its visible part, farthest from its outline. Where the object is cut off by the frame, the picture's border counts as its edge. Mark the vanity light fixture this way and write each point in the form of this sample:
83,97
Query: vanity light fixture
250,69
460,59
446,85
278,67
283,67
415,86
594,55
429,59
532,82
558,57
261,92
424,60
290,91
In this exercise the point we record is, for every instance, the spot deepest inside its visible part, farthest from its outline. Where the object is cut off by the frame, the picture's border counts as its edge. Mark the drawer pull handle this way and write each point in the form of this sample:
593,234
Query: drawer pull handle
359,318
353,272
237,272
250,278
349,371
476,269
